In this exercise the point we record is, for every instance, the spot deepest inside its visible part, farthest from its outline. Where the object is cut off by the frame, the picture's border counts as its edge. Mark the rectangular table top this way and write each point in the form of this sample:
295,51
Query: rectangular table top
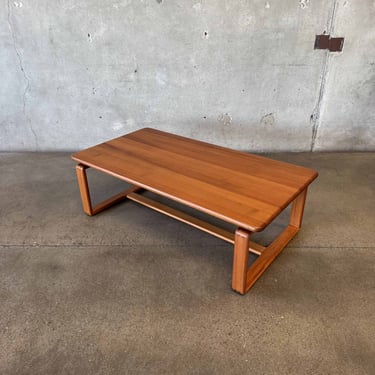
243,189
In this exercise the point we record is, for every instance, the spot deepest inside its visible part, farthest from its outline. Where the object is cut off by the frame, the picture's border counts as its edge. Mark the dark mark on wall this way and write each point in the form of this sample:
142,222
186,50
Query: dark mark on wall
268,119
159,1
325,41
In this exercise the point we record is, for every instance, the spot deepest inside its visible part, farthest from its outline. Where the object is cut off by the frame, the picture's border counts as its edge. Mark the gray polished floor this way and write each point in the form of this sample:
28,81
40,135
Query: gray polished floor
131,291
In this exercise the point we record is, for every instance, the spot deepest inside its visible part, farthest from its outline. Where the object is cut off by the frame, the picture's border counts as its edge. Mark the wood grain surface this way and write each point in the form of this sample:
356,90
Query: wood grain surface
240,188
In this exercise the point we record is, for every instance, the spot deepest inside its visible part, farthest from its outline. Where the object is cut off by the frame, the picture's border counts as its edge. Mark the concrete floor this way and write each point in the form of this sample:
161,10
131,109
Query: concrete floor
133,292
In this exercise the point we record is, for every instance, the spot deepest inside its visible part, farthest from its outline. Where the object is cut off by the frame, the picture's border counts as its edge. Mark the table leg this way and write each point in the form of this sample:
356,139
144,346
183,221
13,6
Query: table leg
244,277
85,194
297,209
240,260
84,189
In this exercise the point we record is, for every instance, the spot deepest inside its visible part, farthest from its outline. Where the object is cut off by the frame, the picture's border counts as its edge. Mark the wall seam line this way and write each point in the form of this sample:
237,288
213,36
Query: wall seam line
21,66
315,116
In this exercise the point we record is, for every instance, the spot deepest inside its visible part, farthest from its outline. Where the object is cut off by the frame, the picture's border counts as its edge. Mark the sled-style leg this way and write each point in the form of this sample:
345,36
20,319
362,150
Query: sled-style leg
244,277
85,194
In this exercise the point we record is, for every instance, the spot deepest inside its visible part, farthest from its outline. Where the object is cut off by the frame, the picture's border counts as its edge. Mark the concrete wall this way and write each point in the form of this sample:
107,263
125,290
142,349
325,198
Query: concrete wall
239,73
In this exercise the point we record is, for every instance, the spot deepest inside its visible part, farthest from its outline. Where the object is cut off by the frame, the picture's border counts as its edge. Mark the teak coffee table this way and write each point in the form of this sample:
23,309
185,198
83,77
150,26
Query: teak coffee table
246,190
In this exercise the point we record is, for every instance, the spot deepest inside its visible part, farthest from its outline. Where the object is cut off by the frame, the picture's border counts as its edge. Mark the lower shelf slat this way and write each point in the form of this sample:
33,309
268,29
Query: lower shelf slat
193,221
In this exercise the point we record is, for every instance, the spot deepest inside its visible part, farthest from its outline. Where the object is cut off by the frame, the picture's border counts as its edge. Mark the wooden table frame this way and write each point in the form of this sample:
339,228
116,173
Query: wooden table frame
245,190
243,276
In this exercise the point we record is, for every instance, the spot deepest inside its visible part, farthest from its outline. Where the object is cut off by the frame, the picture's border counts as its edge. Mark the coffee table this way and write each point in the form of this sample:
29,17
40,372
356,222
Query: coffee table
243,189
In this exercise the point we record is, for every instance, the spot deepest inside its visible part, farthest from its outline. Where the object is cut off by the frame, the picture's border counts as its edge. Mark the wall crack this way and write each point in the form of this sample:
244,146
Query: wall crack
21,67
315,116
